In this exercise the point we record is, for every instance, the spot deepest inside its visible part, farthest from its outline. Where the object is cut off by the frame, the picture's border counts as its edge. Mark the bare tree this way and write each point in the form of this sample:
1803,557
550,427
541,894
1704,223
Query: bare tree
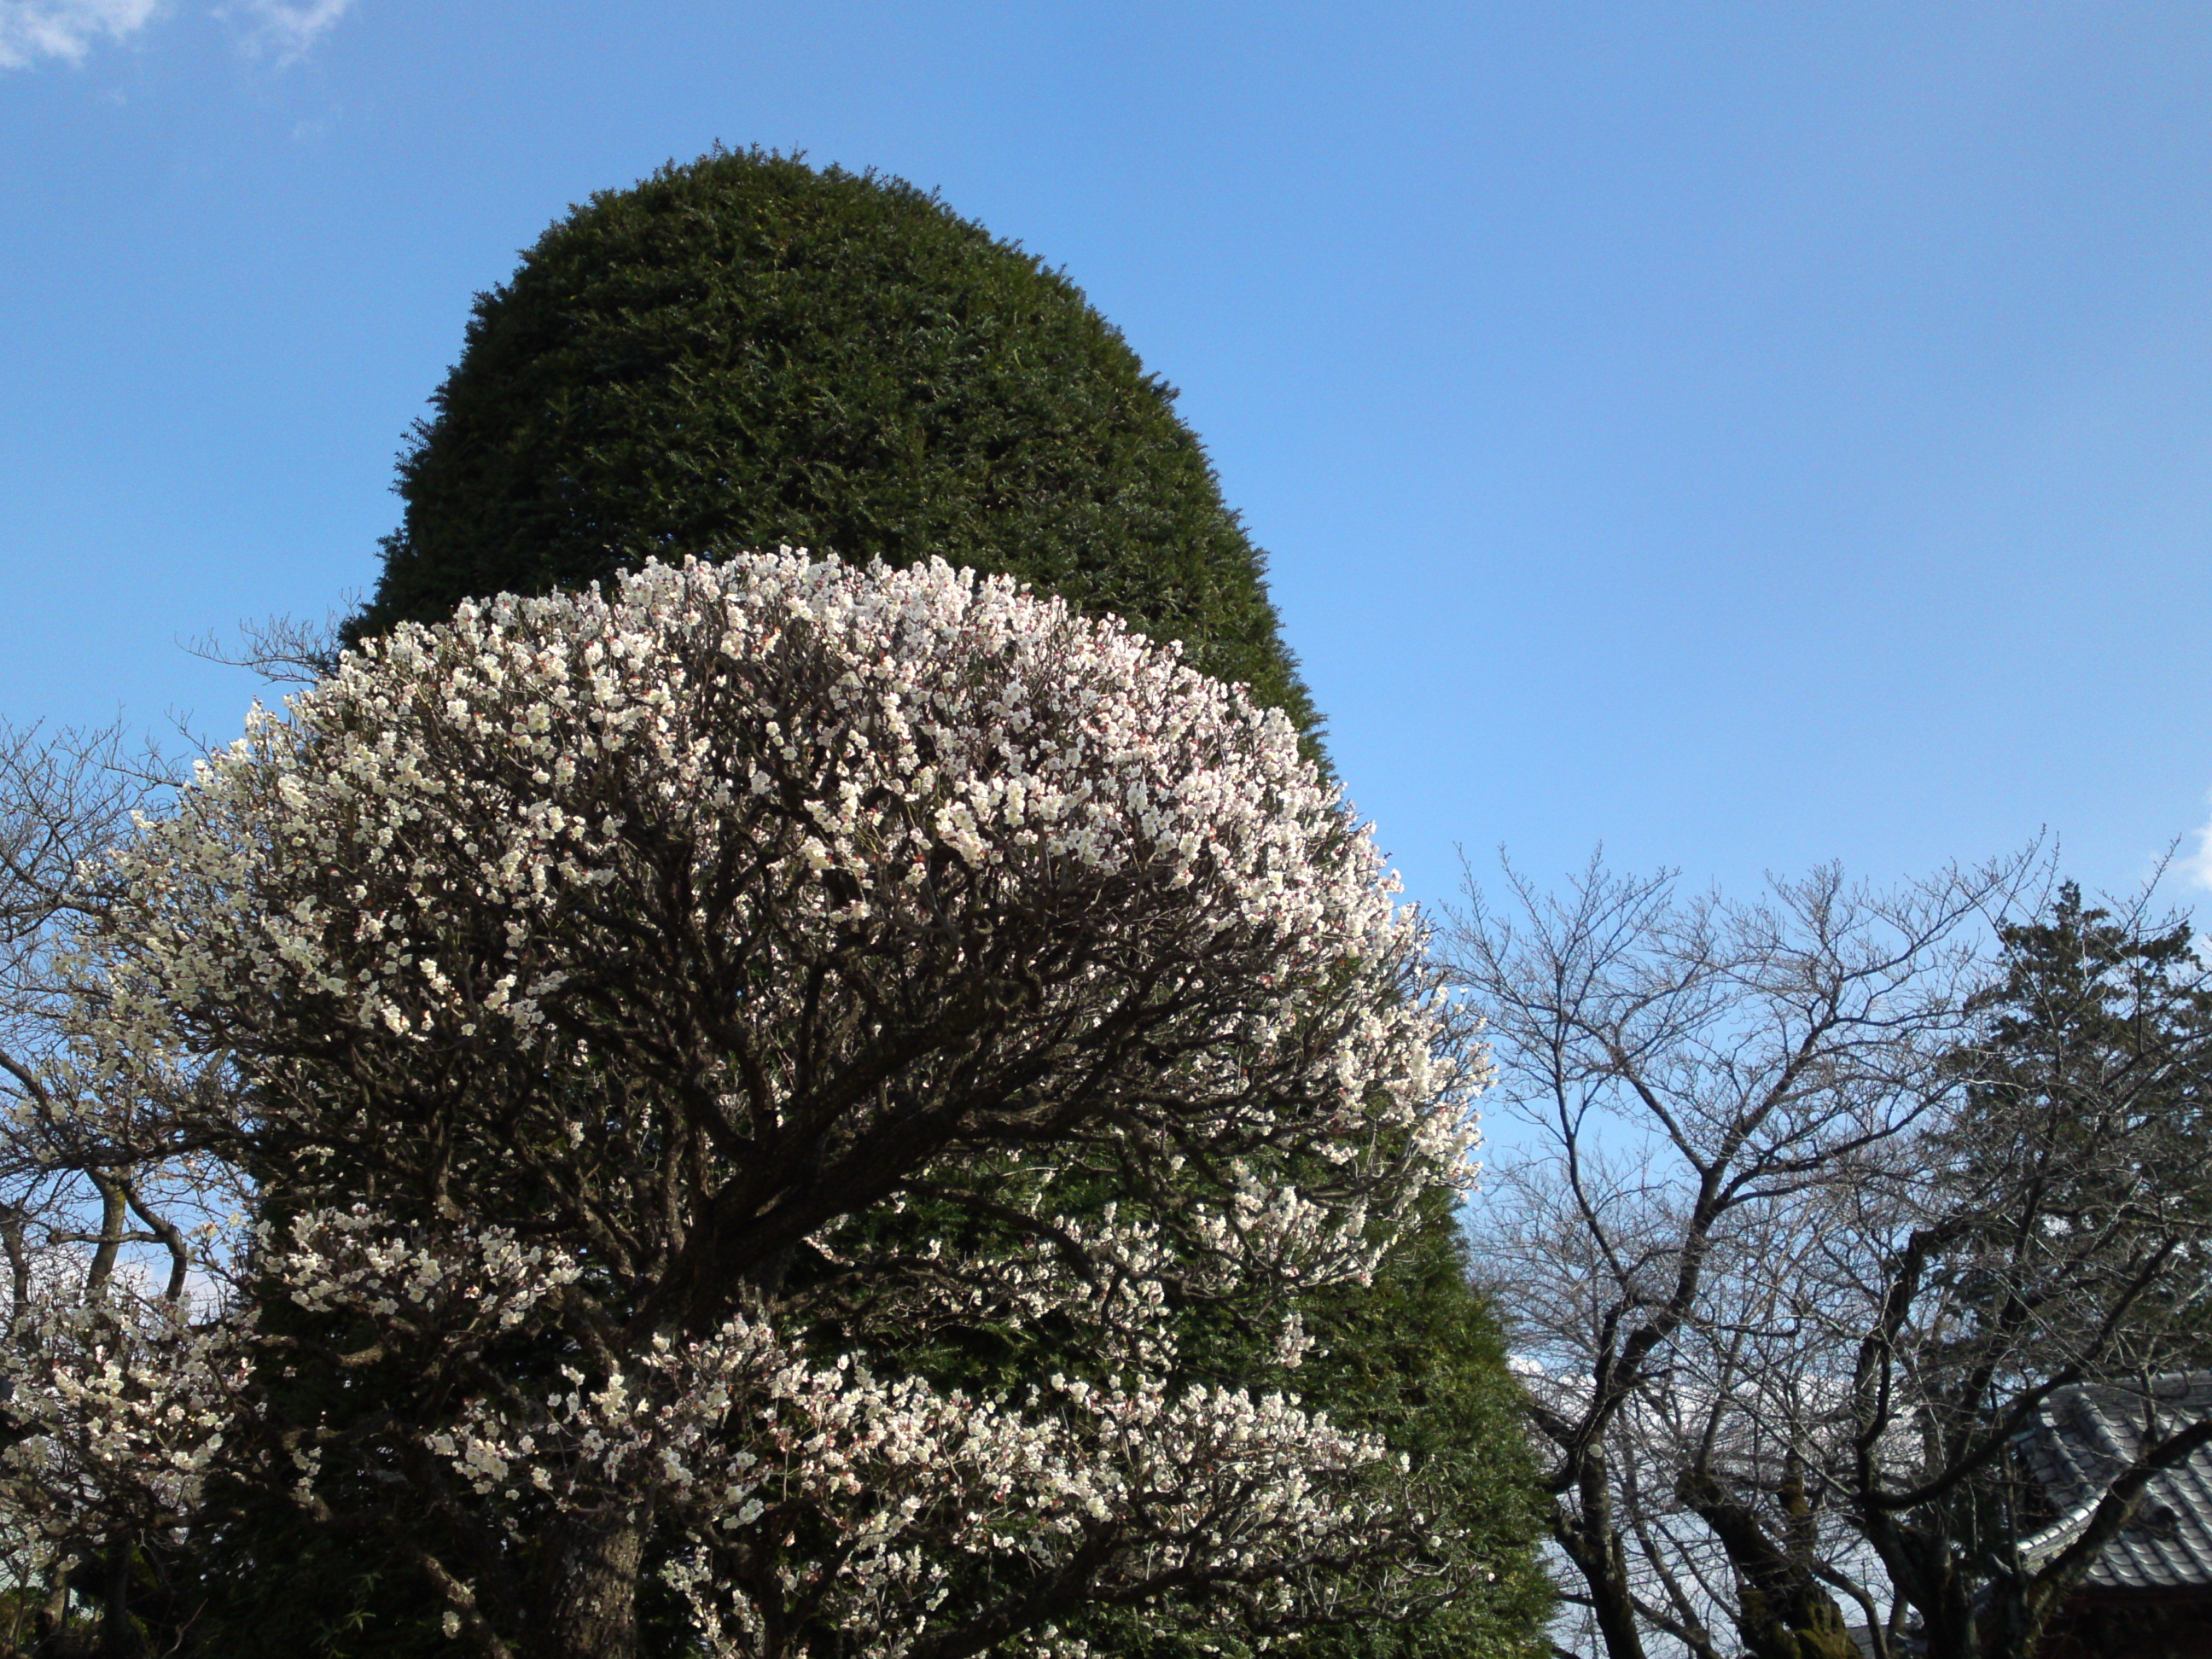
1793,1262
282,650
93,1228
66,797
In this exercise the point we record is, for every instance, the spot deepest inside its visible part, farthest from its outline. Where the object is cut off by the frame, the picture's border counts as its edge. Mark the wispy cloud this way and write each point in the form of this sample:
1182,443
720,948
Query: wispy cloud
33,29
36,30
285,29
2195,867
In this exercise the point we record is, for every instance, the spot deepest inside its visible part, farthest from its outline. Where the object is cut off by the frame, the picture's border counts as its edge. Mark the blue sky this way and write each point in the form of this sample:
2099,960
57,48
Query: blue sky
1744,435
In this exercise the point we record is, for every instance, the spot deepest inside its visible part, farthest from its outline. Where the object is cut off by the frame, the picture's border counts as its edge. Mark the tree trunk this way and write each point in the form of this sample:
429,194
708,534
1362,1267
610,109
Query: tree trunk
1783,1611
1592,1544
590,1601
117,1640
54,1613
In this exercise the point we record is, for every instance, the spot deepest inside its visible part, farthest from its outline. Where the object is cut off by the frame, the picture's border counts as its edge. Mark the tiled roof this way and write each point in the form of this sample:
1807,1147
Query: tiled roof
2084,1438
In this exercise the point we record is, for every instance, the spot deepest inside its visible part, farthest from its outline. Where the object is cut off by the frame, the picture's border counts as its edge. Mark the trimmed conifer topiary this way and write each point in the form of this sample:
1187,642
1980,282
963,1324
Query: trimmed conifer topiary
748,352
744,352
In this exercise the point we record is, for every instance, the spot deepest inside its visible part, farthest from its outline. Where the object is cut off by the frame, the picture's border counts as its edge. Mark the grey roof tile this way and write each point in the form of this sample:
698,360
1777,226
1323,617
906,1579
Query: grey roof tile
2085,1437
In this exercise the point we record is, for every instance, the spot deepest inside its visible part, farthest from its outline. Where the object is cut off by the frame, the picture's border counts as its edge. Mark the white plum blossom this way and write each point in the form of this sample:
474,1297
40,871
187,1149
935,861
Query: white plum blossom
670,1025
118,1410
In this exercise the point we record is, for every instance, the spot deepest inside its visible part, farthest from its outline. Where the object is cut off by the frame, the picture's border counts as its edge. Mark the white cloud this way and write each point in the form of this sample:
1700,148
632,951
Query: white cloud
33,29
2197,868
282,31
285,29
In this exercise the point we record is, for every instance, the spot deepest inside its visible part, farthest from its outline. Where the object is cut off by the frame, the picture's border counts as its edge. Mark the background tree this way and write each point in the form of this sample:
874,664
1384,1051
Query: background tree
1823,1197
2088,1077
85,1225
2059,1236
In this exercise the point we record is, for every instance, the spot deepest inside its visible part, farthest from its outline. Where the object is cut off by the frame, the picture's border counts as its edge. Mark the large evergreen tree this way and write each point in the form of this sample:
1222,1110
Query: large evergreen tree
747,351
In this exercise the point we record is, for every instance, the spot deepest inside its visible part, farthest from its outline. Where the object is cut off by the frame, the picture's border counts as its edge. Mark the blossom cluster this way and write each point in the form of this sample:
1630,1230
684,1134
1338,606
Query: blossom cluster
645,951
743,1440
119,1411
457,1286
784,769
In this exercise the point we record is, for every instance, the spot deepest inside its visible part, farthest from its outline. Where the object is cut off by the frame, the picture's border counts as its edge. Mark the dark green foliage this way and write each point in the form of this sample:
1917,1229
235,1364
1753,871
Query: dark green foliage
290,1593
2090,1098
746,352
1418,1358
2064,1241
2096,1007
2095,1012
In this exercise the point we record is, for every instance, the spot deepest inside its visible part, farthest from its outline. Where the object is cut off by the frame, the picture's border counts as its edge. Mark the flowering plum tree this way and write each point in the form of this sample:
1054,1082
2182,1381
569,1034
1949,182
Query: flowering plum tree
687,1025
